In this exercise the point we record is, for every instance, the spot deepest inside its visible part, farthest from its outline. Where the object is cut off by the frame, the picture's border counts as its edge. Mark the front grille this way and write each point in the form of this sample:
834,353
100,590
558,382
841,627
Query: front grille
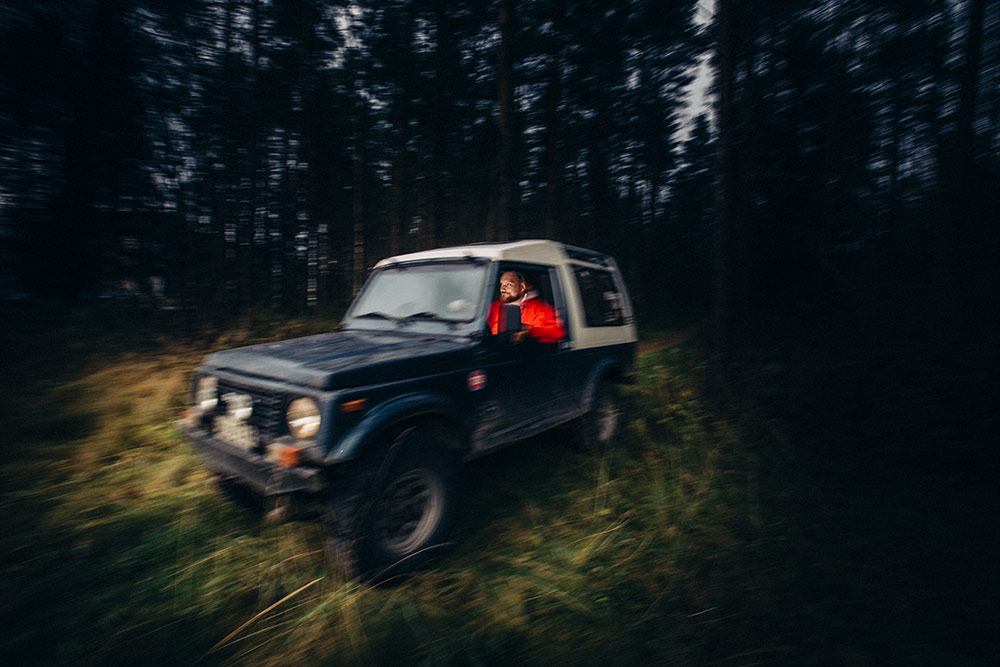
268,409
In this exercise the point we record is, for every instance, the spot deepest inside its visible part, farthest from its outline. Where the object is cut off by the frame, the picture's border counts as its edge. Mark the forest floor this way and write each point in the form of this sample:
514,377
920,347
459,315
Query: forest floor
660,340
739,538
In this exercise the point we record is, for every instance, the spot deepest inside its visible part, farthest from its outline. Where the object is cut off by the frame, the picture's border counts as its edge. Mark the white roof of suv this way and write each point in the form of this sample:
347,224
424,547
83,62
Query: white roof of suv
565,258
530,250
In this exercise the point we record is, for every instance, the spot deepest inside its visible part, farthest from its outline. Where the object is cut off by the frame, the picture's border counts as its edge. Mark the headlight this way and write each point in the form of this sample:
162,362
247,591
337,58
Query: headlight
206,394
303,418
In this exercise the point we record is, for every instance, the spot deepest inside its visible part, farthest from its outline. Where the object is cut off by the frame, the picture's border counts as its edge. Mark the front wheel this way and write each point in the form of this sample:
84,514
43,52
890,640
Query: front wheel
399,515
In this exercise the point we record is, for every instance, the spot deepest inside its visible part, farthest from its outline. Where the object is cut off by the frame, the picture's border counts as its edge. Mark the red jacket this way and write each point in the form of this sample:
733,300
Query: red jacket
537,317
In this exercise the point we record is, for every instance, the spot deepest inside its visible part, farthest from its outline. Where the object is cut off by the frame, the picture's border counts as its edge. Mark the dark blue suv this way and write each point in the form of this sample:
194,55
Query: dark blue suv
428,369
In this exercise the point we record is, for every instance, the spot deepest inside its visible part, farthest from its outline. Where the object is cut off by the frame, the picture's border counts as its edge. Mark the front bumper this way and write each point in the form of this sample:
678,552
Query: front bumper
263,476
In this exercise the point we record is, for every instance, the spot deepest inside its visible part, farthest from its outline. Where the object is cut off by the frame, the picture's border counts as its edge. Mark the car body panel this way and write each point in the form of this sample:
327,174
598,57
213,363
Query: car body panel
373,376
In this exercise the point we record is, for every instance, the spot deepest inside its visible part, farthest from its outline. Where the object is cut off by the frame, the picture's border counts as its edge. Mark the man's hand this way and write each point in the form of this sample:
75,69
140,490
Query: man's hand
518,336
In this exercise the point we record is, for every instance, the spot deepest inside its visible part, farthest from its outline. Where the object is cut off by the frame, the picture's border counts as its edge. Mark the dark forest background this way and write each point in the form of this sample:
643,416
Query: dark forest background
808,466
840,194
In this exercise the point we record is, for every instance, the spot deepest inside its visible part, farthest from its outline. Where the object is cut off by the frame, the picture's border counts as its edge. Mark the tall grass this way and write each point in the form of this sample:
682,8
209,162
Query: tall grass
678,544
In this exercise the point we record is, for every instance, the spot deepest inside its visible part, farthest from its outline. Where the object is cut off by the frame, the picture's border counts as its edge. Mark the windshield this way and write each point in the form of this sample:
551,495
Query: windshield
445,292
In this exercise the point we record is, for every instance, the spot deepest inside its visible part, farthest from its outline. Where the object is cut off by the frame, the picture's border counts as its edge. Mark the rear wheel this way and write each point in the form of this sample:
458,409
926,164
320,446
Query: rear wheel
393,513
602,424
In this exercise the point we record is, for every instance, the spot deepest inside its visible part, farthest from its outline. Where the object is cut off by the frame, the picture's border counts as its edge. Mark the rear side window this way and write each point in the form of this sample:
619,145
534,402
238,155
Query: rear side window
602,302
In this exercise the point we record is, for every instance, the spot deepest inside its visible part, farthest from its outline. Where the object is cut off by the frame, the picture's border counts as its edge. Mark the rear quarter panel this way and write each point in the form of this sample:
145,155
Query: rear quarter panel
594,351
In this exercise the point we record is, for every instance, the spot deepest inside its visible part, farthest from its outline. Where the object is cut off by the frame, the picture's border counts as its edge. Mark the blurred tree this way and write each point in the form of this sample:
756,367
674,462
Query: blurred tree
507,207
725,232
221,144
553,218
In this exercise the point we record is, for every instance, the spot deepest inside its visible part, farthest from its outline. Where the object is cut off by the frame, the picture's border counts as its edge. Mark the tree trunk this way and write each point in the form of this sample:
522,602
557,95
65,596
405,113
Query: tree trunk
248,254
397,198
965,155
277,237
936,232
553,96
507,206
722,324
435,227
229,207
358,199
959,163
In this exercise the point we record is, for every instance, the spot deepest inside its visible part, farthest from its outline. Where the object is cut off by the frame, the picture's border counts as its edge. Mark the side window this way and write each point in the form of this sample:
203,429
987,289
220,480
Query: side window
602,303
537,277
542,283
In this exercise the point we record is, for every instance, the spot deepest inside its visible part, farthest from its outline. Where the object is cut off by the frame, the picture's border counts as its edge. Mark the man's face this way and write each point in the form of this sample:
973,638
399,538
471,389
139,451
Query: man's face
512,287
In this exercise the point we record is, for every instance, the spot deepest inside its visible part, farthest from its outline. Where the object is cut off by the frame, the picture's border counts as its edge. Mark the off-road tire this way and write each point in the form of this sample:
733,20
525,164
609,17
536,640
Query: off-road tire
390,512
603,422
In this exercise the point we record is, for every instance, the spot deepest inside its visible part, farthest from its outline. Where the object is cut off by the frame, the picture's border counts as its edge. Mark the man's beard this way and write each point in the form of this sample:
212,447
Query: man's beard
508,298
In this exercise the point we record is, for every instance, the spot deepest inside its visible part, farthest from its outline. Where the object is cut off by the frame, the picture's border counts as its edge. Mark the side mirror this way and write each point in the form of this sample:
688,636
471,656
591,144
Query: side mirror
510,319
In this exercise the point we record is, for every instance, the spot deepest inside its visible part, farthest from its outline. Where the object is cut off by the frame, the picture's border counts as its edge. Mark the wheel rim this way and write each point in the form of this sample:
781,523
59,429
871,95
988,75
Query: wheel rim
409,511
606,419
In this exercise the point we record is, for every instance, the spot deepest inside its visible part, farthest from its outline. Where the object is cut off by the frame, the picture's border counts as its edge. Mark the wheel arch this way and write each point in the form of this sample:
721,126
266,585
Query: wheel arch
385,422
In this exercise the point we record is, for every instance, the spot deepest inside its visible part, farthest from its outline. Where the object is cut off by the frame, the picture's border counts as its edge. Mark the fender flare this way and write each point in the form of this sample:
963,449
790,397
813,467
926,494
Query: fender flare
353,443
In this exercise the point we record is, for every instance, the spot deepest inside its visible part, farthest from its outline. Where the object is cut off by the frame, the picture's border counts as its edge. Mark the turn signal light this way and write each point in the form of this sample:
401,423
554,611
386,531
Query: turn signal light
289,456
357,405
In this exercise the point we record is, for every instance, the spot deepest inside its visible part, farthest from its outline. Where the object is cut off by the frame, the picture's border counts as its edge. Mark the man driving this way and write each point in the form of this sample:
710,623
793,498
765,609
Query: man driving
538,319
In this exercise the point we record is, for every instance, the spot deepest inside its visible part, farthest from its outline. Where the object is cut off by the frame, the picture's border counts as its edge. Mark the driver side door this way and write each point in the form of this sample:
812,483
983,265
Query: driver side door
523,379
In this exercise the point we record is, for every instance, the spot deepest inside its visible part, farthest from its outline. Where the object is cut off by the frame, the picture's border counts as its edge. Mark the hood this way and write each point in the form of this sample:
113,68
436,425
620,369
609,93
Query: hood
345,358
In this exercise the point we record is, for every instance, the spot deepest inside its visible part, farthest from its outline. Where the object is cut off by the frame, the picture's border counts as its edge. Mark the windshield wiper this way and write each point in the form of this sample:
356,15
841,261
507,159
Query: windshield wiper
420,315
427,315
374,314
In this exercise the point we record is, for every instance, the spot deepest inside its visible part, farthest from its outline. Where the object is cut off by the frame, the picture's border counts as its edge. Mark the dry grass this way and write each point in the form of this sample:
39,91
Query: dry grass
683,543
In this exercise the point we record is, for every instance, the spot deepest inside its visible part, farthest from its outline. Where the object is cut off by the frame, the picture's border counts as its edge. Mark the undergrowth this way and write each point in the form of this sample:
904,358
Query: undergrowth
697,538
